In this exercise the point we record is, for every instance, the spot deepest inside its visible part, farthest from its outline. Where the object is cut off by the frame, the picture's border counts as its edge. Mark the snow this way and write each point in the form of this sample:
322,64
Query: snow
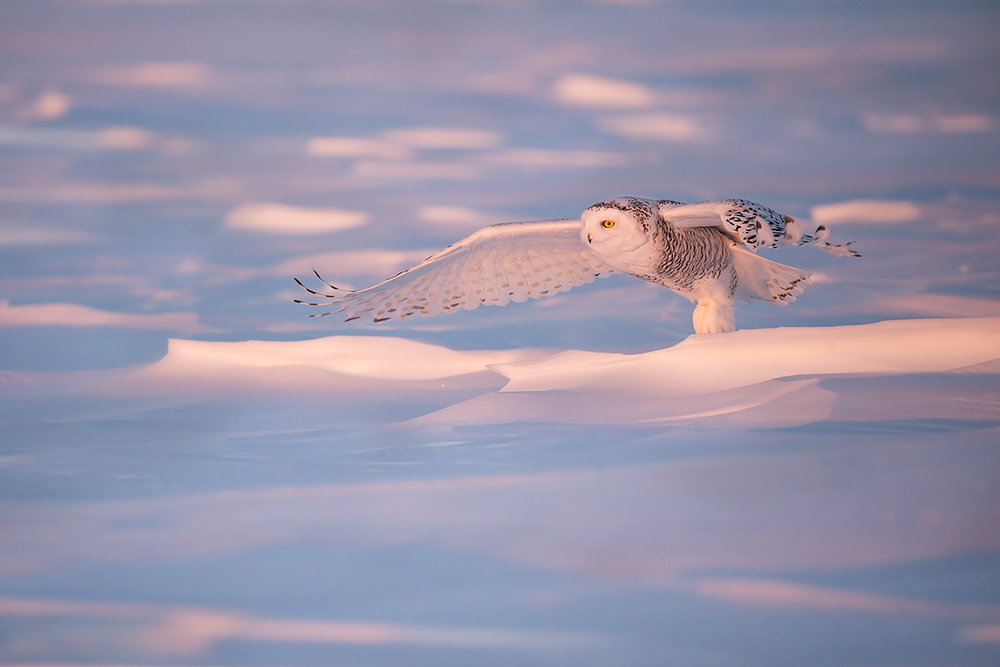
382,358
735,471
704,364
697,366
776,377
192,471
717,471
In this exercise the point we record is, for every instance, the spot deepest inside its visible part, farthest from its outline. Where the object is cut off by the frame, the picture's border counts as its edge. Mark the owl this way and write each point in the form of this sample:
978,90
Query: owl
705,252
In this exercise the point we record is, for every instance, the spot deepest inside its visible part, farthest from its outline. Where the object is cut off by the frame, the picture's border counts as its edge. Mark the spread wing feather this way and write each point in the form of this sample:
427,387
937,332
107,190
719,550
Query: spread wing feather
494,266
751,224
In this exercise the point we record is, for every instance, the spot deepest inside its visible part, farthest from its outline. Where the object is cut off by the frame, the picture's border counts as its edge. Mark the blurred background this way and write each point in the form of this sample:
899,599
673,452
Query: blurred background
168,166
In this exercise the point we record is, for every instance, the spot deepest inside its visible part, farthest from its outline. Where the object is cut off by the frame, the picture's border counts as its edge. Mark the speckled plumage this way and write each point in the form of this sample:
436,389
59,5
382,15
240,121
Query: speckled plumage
704,251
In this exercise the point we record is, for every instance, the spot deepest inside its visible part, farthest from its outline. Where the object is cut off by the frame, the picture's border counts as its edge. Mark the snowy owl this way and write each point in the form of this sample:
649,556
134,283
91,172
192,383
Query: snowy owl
705,252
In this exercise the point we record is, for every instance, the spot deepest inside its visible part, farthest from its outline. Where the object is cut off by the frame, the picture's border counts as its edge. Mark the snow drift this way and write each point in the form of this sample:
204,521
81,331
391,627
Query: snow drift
760,377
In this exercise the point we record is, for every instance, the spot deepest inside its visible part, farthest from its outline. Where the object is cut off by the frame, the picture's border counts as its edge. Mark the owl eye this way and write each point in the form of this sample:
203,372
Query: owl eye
608,223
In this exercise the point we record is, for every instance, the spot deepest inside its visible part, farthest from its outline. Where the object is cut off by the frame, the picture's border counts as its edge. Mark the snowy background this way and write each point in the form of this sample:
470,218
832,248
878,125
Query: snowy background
192,472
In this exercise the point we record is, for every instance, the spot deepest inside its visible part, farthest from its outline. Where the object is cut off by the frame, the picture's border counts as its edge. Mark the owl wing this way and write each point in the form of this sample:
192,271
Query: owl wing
749,223
494,266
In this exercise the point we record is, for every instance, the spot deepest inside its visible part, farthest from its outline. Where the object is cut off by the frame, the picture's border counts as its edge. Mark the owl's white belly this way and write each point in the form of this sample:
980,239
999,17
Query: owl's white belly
695,263
643,261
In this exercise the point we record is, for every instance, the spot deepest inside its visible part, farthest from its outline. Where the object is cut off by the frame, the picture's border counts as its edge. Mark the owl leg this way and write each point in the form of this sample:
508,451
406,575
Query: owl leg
713,316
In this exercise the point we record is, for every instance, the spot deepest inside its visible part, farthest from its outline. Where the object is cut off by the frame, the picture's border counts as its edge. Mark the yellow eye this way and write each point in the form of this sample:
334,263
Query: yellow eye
608,223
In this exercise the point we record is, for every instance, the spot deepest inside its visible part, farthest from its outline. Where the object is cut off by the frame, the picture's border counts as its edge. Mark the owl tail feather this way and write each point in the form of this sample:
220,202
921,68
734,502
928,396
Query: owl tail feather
759,278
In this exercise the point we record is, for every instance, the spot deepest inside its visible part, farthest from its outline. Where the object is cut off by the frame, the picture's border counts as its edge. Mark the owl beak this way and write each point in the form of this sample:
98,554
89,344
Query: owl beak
590,240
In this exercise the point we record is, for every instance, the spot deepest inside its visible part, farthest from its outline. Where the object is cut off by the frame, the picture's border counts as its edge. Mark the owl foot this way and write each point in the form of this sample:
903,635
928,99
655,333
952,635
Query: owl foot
713,316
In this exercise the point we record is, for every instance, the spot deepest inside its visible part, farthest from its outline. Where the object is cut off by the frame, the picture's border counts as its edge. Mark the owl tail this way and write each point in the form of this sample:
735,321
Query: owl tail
759,278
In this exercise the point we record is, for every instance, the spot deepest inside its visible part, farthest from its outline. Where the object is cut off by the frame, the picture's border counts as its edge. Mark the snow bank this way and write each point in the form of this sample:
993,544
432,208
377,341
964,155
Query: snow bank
753,378
360,356
768,378
699,365
704,364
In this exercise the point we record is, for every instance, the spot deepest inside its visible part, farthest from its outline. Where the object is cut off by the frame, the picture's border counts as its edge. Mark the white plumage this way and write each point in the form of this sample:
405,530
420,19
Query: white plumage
704,251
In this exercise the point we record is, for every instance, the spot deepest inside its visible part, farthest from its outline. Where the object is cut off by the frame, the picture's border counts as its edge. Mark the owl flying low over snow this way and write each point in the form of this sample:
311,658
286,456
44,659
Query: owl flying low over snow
705,252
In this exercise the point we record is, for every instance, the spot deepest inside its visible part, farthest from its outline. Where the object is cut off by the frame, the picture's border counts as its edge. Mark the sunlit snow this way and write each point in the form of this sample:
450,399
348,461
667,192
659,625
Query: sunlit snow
195,472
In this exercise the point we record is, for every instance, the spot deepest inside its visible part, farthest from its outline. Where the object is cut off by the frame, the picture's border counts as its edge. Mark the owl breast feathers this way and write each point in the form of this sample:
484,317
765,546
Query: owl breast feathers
705,252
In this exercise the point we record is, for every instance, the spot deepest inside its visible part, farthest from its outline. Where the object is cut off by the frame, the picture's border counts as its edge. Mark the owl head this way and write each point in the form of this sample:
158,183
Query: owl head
618,225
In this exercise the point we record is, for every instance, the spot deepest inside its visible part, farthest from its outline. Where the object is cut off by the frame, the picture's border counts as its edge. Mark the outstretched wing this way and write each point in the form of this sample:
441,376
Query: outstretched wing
751,224
494,266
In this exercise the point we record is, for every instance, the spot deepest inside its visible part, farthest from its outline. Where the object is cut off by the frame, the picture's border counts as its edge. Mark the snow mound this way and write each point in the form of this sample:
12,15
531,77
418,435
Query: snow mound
378,357
768,378
703,364
752,378
699,365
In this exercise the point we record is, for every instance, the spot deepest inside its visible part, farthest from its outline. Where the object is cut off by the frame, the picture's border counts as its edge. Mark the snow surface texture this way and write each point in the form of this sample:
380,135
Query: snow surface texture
644,490
194,472
767,375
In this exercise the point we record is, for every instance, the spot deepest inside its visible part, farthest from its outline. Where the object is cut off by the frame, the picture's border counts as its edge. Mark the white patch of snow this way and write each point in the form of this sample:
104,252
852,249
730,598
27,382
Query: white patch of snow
704,364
